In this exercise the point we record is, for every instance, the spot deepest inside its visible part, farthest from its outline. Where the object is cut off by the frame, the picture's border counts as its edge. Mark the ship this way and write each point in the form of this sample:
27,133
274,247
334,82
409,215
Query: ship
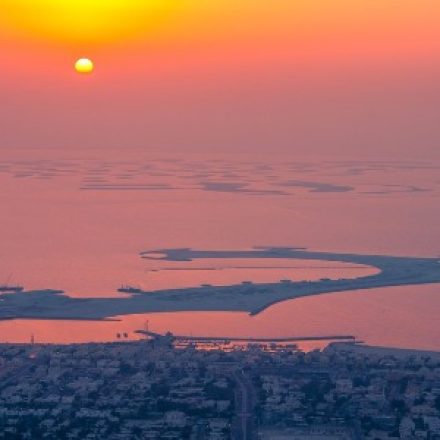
130,289
5,288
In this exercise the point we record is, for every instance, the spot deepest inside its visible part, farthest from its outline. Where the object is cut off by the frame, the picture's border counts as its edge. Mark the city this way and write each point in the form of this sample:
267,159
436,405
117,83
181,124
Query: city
152,390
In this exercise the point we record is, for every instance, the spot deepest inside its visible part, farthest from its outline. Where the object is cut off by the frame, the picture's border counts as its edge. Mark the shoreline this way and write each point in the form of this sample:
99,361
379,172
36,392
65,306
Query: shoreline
335,346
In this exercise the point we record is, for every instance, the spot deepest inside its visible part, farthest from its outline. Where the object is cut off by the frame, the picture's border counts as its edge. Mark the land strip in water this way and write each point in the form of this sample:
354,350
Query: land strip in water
251,298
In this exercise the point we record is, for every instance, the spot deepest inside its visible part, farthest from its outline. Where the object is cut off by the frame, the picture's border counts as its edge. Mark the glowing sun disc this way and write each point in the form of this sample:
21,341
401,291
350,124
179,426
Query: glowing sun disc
84,65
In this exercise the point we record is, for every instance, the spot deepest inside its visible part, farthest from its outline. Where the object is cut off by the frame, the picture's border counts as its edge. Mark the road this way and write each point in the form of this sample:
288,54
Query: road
244,428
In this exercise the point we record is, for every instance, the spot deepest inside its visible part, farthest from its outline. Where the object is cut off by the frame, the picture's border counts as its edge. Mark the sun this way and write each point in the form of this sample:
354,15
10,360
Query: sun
84,65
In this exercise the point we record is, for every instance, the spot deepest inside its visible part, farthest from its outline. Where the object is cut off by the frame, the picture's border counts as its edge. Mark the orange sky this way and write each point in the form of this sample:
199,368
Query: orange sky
228,73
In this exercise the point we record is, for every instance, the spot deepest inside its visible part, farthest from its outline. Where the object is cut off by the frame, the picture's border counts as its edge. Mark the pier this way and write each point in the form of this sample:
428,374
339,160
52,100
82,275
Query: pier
154,335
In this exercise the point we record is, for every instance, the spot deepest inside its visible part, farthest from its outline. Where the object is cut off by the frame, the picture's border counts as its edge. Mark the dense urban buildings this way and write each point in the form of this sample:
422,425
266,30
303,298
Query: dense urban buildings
153,390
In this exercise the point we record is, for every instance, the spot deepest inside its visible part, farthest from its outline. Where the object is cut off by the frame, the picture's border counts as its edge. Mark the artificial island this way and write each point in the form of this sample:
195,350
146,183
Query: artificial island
249,297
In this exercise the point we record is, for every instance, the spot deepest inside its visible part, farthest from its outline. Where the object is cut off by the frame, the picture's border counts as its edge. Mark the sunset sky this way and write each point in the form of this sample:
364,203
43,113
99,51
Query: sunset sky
342,77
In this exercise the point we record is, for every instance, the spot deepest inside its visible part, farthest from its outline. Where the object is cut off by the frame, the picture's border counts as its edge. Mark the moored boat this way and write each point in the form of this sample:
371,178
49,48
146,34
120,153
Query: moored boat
130,289
5,288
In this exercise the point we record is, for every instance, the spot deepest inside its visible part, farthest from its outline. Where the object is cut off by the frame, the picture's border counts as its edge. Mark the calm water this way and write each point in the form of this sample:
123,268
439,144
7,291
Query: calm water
78,222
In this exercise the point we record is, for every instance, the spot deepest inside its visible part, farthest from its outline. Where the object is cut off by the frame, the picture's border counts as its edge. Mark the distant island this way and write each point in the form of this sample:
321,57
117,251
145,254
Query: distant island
249,297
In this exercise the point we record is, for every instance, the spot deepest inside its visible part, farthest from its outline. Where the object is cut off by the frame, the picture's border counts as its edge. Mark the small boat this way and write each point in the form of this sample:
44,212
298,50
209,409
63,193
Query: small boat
130,289
5,288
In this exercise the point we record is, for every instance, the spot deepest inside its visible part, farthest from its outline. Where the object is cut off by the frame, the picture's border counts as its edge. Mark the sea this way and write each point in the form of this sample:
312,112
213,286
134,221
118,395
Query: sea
78,220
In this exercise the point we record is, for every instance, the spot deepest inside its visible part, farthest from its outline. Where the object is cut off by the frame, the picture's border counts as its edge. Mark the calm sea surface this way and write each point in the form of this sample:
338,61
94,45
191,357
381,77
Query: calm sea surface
78,222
